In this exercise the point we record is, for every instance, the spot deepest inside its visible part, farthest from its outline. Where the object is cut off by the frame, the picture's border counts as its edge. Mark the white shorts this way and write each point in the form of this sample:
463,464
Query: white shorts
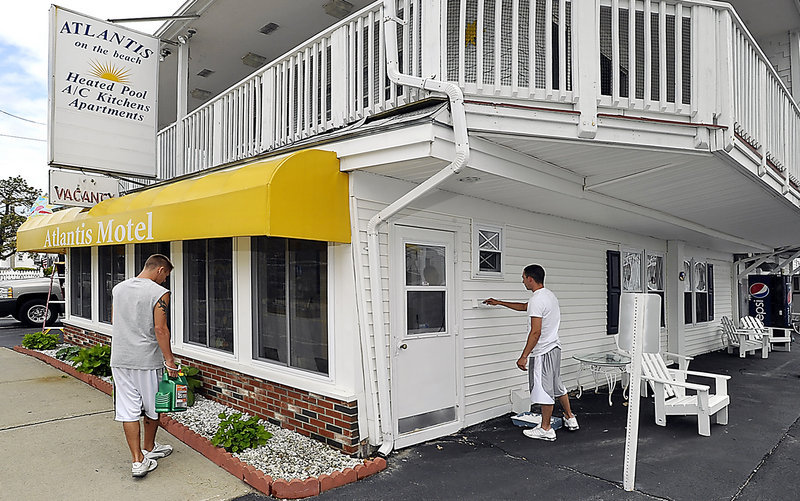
544,377
135,393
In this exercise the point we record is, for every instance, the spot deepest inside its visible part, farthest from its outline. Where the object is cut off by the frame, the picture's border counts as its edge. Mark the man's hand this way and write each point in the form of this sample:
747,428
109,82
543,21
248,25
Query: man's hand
491,301
522,363
172,367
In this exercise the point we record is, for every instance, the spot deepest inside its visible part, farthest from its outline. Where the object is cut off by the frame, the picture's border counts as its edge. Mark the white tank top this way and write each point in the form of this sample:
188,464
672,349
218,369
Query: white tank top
133,333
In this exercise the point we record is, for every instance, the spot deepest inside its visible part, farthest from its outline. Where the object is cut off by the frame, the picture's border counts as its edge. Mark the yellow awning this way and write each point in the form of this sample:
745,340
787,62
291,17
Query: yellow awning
302,195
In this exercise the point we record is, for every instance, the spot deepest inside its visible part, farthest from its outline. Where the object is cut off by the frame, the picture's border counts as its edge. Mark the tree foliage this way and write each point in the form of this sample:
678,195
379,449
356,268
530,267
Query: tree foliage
16,197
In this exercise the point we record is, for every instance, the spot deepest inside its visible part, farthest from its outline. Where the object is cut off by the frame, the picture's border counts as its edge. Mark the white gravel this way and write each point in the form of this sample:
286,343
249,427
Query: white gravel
286,455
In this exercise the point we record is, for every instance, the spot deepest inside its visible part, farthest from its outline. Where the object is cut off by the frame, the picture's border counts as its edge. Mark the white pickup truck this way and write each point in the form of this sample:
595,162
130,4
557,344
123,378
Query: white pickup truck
25,300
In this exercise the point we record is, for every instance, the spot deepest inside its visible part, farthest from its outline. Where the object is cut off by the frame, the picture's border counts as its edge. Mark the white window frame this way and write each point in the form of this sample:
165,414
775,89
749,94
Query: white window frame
690,280
477,228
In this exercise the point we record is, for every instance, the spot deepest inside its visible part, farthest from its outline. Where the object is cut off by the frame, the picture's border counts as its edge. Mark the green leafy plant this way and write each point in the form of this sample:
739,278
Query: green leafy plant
236,434
95,360
68,353
40,341
193,381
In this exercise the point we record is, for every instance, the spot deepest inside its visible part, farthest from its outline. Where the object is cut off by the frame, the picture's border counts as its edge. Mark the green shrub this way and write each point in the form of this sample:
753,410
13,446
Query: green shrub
193,382
68,353
40,341
236,434
95,360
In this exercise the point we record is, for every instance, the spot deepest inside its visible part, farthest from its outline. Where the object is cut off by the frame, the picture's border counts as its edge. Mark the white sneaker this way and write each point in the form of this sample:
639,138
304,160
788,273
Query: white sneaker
571,423
159,451
143,468
540,433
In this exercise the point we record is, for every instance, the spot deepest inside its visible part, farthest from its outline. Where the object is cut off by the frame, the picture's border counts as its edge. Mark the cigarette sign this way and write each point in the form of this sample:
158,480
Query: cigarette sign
102,95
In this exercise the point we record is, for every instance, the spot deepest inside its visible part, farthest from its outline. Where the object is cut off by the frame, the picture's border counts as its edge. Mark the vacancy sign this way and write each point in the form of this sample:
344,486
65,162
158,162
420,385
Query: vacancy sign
81,190
102,96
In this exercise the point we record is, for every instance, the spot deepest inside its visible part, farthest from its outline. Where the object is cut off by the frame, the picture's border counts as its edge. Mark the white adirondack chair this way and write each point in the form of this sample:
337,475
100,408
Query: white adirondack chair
783,341
743,340
669,388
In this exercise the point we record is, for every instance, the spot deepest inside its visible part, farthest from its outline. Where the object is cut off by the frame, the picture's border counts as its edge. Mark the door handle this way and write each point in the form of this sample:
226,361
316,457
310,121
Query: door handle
403,346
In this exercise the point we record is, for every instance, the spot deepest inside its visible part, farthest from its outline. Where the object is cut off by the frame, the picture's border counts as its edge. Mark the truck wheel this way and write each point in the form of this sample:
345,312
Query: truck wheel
33,312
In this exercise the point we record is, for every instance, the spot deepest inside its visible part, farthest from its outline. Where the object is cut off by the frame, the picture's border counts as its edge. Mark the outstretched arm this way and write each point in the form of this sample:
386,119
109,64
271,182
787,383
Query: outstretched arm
162,332
508,304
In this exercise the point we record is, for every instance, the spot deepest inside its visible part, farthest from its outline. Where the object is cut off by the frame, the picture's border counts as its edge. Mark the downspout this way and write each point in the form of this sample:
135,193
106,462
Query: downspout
459,118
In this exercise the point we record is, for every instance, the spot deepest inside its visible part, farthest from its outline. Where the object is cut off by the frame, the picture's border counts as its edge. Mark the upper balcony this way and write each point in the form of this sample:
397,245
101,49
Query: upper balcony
630,72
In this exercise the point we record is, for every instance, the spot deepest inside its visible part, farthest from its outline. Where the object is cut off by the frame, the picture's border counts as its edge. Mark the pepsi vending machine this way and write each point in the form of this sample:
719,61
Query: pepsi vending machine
771,299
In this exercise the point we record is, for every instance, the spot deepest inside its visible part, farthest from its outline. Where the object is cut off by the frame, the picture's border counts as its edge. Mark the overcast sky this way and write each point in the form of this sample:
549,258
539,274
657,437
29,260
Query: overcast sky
23,75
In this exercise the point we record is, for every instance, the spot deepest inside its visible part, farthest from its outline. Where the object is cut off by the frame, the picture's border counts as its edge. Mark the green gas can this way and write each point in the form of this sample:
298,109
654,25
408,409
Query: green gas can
172,393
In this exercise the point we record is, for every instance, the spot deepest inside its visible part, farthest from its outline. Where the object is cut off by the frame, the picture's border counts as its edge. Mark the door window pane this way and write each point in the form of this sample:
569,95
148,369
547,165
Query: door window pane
290,301
111,263
425,265
655,273
426,312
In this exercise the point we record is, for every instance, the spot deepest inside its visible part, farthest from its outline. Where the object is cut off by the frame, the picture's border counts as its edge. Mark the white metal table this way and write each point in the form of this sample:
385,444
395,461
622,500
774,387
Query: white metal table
611,365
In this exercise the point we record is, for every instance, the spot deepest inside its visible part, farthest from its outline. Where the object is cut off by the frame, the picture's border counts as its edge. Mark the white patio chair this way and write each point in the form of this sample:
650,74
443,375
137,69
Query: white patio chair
783,340
743,340
669,388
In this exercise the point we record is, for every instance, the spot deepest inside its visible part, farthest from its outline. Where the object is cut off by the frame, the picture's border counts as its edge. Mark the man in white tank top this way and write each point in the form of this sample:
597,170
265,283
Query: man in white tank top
543,349
140,349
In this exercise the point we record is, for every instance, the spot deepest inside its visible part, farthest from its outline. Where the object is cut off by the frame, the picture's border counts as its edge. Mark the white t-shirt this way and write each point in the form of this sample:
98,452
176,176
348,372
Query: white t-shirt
133,334
544,304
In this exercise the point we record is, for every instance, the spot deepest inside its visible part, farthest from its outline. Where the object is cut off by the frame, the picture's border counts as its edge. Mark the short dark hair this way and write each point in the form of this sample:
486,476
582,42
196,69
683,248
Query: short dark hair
157,261
535,272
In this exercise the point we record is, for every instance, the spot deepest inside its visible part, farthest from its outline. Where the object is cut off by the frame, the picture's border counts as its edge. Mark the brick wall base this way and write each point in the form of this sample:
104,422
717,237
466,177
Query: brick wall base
331,421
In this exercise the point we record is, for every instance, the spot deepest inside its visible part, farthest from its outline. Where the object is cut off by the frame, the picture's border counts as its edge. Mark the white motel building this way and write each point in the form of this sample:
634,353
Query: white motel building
341,185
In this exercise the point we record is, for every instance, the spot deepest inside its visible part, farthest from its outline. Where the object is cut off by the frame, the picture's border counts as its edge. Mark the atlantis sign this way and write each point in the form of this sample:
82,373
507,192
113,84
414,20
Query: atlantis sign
102,95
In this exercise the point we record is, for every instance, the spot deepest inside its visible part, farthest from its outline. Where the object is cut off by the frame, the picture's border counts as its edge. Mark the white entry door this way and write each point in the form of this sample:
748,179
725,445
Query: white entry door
424,339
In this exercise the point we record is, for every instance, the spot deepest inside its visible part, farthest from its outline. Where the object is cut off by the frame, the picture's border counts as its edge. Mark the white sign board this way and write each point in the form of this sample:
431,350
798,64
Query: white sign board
102,95
81,190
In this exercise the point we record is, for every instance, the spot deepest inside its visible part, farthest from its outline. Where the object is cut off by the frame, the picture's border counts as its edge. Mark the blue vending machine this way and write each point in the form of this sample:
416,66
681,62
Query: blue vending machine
770,298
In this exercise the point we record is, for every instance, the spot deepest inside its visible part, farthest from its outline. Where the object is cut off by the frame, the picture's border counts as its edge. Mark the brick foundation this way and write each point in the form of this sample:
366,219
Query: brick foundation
328,420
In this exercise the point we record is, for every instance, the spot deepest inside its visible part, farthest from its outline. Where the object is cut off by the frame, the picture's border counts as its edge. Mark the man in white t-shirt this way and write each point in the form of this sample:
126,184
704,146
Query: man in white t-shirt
543,349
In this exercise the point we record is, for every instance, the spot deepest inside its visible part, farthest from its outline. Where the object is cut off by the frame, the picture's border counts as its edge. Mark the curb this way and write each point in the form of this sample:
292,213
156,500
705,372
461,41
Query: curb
282,489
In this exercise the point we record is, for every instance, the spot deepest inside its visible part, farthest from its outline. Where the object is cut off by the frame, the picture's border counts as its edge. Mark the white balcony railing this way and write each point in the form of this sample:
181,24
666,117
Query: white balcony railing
690,61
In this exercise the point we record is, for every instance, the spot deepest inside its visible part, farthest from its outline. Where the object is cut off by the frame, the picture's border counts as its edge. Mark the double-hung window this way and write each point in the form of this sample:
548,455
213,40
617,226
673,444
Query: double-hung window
111,264
698,292
80,282
290,302
208,293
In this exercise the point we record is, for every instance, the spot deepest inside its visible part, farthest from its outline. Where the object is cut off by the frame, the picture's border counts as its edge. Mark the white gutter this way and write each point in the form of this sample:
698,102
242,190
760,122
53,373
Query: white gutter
459,117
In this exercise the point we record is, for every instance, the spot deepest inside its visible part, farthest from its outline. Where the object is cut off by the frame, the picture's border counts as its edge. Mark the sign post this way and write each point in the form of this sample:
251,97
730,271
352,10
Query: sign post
638,333
103,100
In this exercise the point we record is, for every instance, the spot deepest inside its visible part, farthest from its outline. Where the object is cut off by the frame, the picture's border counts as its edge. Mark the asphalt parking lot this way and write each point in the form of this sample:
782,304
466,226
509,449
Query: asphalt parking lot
12,331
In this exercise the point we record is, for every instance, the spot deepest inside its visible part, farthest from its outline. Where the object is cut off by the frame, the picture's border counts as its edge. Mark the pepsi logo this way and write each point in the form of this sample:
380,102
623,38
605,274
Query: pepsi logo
759,291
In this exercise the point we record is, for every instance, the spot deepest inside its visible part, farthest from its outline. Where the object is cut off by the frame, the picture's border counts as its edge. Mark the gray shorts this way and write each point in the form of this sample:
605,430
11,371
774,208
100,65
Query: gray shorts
544,377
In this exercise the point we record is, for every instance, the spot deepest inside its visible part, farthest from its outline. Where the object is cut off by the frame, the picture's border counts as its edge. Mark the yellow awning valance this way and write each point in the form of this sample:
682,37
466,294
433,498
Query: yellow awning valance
302,195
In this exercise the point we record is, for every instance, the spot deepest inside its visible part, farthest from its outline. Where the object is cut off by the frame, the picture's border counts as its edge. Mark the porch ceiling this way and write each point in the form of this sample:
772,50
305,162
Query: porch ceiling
643,191
229,29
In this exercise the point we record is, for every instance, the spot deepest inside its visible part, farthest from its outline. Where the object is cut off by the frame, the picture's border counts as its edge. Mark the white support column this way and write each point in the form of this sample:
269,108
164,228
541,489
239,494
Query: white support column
431,39
587,62
704,71
735,301
725,79
339,76
182,106
794,50
676,330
